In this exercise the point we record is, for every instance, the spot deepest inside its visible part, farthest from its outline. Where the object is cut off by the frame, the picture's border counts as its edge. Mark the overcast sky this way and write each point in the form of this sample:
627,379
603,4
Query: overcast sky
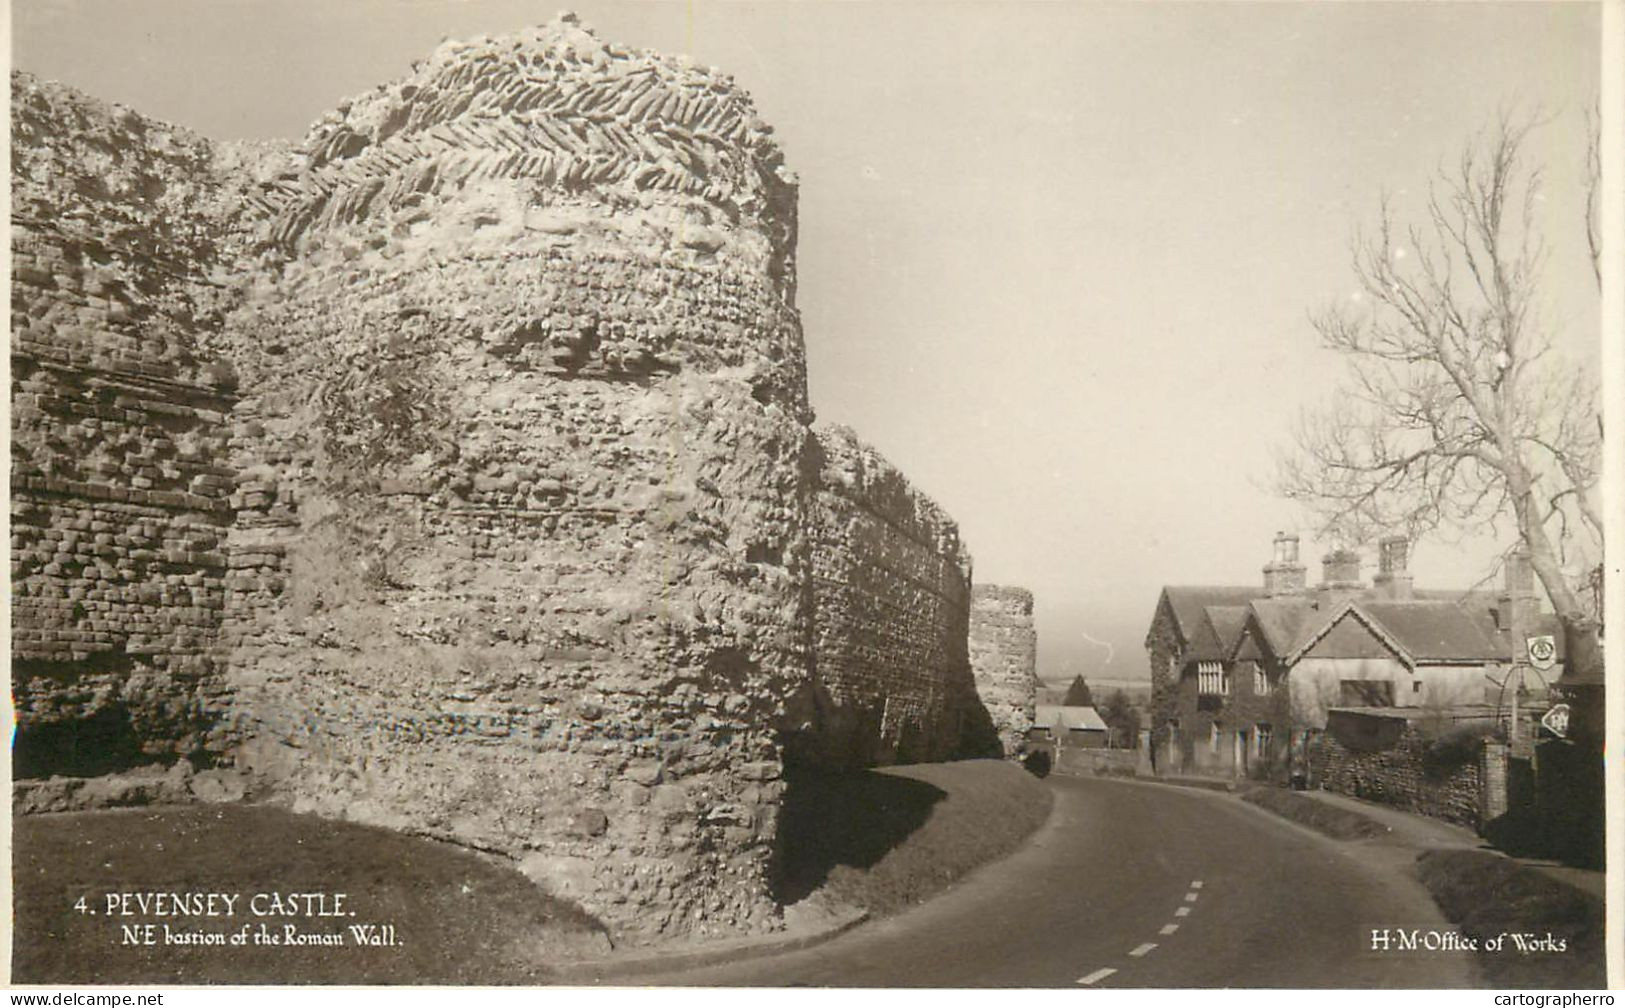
1056,258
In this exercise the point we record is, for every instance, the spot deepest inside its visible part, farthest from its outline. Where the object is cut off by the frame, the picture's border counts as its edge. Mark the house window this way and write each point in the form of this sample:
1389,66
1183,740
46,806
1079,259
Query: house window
1261,740
1365,693
1212,679
1261,682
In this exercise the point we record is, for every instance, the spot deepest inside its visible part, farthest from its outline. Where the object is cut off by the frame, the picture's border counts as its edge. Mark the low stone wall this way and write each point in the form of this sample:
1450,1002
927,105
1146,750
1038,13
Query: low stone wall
1004,655
1441,779
1108,762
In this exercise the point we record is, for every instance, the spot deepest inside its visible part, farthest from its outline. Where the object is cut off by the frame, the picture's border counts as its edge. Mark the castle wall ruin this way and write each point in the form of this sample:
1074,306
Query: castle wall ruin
891,588
451,470
1004,654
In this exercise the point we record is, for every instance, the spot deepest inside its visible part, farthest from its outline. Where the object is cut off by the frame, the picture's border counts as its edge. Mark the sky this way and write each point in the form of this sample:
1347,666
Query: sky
1056,259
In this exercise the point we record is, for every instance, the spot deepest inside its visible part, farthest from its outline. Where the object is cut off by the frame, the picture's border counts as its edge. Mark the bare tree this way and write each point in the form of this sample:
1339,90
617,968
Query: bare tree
1458,411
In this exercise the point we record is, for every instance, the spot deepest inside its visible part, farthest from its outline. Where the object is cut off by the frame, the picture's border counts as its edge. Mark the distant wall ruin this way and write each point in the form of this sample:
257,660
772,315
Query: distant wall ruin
1004,655
891,584
450,470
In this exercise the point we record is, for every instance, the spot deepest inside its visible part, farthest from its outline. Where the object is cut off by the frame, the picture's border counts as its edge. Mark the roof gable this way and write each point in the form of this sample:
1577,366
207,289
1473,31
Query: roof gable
1348,635
1186,603
1280,623
1247,648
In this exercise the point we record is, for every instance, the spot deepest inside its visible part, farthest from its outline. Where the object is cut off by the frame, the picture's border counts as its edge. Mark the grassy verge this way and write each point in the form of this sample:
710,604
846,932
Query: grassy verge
882,840
1489,896
458,918
1337,823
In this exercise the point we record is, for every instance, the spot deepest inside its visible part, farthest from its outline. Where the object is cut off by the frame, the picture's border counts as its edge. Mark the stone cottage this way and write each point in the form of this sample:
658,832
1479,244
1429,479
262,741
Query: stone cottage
1246,676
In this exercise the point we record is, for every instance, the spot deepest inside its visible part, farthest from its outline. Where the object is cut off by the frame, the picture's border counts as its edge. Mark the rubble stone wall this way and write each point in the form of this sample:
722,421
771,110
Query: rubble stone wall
1407,774
529,374
450,470
118,494
1004,657
891,585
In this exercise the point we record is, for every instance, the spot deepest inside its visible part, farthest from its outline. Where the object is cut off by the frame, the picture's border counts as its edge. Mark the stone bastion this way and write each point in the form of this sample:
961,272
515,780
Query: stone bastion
452,470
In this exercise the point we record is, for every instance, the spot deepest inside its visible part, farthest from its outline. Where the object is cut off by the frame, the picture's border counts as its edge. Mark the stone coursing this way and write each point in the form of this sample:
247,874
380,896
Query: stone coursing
526,366
1003,655
1411,774
891,678
450,470
118,435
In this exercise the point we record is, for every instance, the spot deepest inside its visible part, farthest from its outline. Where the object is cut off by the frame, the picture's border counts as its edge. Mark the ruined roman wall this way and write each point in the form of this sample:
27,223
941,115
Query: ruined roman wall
450,470
891,587
1004,656
524,365
118,432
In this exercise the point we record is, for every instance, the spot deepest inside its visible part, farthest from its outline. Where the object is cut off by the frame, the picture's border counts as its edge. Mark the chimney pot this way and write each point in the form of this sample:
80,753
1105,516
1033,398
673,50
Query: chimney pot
1284,575
1340,569
1393,567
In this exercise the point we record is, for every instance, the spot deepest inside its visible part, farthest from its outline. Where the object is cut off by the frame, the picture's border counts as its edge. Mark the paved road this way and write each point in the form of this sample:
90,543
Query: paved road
1141,885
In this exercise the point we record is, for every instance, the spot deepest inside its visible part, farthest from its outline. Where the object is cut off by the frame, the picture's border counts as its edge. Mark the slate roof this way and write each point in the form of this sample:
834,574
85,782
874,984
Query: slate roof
1227,622
1284,622
1434,625
1071,718
1188,602
1439,631
1216,633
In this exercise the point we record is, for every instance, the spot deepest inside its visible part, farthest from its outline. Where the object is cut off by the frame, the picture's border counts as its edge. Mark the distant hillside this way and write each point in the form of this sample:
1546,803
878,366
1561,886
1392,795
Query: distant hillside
1138,690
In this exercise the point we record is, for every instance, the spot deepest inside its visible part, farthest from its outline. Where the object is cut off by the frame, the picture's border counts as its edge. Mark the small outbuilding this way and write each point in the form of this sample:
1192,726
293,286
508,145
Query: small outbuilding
1069,727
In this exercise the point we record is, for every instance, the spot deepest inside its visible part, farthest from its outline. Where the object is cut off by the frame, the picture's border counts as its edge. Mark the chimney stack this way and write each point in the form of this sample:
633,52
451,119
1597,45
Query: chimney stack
1393,578
1340,571
1284,575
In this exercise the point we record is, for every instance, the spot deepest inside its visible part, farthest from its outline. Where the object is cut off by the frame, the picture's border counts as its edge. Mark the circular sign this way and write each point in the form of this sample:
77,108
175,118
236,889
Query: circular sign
1542,652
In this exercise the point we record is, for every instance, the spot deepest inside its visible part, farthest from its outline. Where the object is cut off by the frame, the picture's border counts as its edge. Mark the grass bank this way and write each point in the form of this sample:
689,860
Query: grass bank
1337,823
1489,896
883,840
457,918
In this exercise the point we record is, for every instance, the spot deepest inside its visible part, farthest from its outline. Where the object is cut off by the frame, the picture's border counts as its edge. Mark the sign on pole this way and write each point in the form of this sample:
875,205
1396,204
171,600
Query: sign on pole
1542,652
1556,720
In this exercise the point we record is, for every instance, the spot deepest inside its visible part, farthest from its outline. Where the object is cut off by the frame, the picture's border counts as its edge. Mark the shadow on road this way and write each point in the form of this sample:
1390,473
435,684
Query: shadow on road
853,818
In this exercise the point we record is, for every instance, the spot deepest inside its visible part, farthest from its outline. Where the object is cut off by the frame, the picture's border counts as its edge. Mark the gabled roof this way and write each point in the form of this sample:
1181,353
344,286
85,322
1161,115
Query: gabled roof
1440,631
1417,630
1217,633
1227,622
1357,646
1070,718
1282,622
1187,603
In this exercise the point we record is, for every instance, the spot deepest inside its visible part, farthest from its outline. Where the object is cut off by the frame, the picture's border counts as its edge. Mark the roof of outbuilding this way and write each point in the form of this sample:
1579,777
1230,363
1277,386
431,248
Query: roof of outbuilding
1071,718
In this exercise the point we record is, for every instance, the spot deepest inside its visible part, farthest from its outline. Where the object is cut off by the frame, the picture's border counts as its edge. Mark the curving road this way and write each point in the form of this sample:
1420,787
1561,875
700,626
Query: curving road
1141,885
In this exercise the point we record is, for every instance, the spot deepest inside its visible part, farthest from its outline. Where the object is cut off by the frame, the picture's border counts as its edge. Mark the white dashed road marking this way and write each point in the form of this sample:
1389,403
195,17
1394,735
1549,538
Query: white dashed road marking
1097,976
1182,912
1190,897
1169,929
1196,885
1141,950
